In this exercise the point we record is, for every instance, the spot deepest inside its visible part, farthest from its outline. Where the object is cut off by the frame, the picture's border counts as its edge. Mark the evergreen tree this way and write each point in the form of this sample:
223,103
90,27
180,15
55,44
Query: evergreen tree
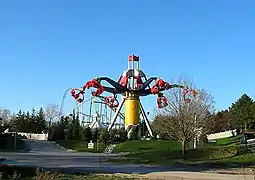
20,122
122,134
242,112
41,121
64,121
87,134
218,122
95,134
104,136
32,121
74,129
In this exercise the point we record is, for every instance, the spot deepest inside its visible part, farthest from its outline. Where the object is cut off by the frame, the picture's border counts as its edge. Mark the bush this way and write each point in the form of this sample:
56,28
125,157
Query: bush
17,172
7,142
56,133
87,133
242,150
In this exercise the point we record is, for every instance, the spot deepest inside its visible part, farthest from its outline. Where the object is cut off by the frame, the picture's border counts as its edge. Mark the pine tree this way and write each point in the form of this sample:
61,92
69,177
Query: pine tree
20,122
242,112
32,122
95,134
41,121
87,134
74,130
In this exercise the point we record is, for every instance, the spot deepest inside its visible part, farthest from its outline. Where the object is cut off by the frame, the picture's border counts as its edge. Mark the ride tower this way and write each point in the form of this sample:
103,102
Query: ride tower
132,78
131,85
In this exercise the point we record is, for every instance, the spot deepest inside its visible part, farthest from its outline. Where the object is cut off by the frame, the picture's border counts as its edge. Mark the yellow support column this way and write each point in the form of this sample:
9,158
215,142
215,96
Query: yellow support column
132,111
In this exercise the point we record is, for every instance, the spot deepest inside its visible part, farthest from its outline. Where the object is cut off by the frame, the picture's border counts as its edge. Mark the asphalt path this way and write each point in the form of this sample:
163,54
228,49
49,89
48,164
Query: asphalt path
48,155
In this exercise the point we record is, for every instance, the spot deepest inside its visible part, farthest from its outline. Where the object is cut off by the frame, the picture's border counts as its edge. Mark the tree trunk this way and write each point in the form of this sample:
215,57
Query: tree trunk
184,149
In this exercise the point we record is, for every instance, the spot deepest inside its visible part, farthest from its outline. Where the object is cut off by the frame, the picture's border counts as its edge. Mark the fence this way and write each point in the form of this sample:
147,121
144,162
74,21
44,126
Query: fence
32,136
220,135
42,137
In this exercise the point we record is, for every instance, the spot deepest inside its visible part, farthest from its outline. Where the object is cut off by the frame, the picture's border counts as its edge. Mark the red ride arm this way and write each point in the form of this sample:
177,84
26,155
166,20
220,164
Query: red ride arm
161,85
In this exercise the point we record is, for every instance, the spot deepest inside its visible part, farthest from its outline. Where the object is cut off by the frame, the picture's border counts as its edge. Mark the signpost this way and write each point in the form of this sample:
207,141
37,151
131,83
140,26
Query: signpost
91,145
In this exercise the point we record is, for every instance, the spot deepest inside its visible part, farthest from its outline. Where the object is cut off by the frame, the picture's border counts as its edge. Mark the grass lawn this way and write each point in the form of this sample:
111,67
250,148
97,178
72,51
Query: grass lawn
80,146
169,152
145,146
228,140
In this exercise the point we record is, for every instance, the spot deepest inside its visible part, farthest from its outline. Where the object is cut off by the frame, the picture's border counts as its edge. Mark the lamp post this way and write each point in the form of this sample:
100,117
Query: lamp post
196,134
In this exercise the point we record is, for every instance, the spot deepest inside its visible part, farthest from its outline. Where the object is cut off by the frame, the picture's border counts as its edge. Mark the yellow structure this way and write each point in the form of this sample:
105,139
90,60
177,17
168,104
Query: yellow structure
132,111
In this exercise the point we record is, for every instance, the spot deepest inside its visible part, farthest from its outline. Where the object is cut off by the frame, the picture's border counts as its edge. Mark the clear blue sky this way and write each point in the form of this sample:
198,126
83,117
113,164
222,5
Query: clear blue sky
48,46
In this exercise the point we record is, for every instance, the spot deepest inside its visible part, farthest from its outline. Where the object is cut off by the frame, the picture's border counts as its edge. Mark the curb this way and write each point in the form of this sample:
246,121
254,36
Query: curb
68,150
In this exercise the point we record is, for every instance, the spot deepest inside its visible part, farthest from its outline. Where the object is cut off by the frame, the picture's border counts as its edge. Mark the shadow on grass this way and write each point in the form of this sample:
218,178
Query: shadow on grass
199,159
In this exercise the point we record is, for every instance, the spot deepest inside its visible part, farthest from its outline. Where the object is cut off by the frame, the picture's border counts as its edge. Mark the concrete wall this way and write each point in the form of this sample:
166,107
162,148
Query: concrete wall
220,135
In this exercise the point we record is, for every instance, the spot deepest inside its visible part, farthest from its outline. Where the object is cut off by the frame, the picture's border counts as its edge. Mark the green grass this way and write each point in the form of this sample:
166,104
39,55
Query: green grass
145,146
228,141
168,152
80,146
213,154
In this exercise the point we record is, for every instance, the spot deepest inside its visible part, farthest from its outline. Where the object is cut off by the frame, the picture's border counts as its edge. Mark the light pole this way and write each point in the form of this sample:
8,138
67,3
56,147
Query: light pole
196,134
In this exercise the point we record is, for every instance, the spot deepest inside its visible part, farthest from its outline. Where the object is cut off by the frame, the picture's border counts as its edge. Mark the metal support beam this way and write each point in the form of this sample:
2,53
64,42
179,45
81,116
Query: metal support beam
147,83
114,118
113,90
122,116
113,83
146,120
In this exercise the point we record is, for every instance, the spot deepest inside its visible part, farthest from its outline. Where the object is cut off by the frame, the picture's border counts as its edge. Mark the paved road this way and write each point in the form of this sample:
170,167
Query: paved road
42,146
49,155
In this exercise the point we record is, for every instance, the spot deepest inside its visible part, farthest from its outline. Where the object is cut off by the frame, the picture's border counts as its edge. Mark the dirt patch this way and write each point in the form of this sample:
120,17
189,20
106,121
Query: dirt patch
183,176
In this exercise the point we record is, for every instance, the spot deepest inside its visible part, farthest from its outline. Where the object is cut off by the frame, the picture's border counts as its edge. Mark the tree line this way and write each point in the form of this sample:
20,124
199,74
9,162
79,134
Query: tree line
240,115
49,120
34,121
69,128
29,122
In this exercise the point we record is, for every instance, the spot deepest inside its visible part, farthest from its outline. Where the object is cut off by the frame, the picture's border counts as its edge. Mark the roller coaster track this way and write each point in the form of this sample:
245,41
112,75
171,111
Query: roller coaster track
62,102
121,115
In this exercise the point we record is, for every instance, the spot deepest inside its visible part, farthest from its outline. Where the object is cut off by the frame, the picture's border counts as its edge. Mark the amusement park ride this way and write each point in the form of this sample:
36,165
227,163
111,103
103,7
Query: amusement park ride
132,84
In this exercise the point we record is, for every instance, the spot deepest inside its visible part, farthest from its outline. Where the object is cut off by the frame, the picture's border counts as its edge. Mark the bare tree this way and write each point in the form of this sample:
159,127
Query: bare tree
5,115
52,113
182,120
